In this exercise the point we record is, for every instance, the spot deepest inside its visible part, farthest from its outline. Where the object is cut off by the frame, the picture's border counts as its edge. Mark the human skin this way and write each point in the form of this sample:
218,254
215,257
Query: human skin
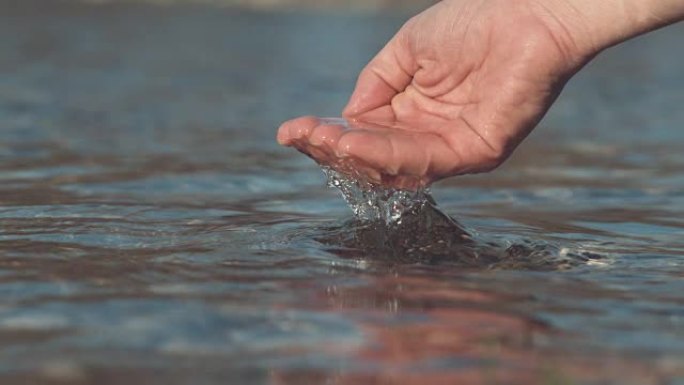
464,82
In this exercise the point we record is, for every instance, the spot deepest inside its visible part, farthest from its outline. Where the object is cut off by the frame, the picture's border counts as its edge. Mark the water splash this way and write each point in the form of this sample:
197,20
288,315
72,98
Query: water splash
407,226
371,202
402,225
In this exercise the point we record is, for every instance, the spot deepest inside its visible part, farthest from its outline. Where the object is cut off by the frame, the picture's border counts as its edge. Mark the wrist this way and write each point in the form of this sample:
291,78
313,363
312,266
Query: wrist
598,24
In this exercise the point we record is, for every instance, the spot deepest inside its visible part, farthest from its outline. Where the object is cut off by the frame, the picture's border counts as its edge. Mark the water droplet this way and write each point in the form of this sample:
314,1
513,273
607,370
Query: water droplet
370,202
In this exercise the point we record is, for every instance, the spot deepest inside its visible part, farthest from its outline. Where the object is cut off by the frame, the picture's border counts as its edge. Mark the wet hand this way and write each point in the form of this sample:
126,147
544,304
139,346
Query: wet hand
453,92
386,154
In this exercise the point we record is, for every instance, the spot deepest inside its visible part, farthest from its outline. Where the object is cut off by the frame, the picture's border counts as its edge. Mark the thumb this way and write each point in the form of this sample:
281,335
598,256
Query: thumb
388,74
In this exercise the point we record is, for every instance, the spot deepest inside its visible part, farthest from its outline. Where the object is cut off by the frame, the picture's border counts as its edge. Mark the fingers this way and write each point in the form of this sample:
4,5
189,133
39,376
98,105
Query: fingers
400,152
382,154
388,74
313,136
326,135
296,129
373,148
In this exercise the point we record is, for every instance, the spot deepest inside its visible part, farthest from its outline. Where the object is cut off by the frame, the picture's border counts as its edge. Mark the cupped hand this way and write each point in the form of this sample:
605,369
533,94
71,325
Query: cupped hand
453,92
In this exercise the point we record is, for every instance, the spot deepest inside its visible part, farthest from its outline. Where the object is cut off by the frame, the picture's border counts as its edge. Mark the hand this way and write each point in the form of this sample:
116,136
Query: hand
459,86
454,91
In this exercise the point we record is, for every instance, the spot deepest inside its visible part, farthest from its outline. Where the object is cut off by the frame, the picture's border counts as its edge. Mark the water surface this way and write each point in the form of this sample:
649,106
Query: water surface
151,230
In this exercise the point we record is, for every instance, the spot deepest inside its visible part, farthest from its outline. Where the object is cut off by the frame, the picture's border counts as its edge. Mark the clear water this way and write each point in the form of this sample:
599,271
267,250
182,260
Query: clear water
373,202
151,231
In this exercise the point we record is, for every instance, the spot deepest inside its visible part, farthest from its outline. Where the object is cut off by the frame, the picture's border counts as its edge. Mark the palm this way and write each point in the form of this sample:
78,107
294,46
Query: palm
453,92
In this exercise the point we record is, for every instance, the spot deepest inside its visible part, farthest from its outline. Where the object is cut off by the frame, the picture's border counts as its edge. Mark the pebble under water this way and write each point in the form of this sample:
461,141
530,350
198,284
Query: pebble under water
153,232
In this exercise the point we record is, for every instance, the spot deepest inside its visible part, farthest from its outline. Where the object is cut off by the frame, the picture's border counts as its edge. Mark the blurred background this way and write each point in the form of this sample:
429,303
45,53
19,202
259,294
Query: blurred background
298,4
152,231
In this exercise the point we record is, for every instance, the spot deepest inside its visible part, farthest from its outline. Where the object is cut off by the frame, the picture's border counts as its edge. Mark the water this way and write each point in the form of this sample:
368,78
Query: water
371,202
151,231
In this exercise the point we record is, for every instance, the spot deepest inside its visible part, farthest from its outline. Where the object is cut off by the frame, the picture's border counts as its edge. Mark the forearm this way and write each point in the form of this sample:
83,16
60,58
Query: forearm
599,24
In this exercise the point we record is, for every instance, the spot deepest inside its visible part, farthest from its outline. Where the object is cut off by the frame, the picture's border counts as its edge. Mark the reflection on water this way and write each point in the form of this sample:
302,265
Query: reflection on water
151,231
